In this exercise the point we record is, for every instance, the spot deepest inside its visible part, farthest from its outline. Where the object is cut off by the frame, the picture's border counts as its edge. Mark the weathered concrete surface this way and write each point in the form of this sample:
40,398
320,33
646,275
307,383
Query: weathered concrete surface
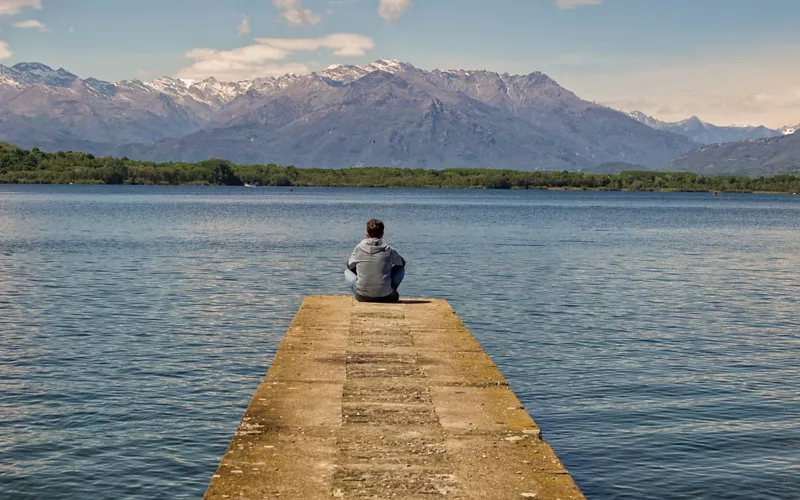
386,401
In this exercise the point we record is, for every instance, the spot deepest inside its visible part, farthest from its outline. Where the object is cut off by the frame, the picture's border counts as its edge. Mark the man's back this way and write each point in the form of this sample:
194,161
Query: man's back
377,268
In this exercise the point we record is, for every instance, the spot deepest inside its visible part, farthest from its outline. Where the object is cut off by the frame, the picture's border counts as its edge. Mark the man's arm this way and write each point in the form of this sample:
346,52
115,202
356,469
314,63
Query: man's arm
351,262
397,260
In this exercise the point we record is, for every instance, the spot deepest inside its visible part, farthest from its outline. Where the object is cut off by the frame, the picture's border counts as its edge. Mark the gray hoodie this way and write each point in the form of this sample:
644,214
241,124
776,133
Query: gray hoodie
372,261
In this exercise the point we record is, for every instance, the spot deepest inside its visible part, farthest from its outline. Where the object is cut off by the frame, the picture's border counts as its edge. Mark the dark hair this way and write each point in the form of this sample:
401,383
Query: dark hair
375,228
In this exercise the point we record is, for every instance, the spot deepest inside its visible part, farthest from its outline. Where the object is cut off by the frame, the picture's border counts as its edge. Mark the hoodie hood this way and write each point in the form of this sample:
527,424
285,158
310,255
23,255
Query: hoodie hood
371,246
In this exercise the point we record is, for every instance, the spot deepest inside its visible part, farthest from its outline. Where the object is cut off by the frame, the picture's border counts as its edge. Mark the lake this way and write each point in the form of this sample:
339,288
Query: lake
654,337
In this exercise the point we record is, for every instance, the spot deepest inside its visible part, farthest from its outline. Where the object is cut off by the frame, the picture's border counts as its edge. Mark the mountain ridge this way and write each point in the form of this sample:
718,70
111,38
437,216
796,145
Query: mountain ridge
703,132
468,118
753,157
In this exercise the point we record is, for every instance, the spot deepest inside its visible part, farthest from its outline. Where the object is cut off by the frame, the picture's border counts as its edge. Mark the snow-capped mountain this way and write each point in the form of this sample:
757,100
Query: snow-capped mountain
26,74
348,73
705,133
209,91
647,120
384,113
788,130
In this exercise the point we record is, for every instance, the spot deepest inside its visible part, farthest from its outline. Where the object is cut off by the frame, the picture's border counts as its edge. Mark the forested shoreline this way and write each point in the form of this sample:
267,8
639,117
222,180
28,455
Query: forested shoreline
18,166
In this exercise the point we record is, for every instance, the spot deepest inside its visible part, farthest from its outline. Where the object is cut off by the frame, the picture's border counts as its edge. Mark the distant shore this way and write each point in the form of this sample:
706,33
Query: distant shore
18,166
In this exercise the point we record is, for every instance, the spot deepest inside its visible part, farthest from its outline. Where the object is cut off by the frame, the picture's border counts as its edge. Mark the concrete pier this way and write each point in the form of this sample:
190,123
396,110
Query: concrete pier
386,401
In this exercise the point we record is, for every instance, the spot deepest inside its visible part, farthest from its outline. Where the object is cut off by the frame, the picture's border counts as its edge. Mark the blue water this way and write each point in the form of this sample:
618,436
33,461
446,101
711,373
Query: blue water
655,338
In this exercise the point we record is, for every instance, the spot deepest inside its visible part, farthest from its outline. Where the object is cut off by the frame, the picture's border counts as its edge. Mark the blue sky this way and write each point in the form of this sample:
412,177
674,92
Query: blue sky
728,61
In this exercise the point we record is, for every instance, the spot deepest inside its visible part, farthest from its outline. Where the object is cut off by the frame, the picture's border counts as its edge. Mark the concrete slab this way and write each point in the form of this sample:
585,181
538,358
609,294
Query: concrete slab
314,338
462,369
386,401
276,465
294,404
480,408
387,391
308,365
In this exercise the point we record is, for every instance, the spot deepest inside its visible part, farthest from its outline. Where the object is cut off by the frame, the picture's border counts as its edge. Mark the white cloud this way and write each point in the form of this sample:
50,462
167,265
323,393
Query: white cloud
264,58
243,63
14,7
342,44
244,27
5,52
234,66
294,13
30,23
571,4
391,10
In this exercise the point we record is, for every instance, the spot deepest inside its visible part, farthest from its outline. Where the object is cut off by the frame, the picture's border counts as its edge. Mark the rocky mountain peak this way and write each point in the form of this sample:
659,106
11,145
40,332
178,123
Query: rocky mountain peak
703,132
32,67
30,73
539,78
343,73
693,121
388,65
646,119
377,83
167,84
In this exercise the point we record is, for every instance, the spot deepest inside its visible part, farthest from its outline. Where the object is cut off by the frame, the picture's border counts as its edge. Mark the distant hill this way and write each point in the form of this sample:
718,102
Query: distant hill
385,113
760,157
706,133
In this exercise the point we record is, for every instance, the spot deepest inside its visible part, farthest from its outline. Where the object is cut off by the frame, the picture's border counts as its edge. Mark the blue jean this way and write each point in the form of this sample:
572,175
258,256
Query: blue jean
398,273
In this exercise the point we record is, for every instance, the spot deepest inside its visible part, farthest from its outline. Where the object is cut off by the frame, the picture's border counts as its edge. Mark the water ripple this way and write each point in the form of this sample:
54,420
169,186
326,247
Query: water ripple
654,337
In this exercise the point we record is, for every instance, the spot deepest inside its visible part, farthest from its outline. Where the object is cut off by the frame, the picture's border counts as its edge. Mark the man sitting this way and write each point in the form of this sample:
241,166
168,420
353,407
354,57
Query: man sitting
375,270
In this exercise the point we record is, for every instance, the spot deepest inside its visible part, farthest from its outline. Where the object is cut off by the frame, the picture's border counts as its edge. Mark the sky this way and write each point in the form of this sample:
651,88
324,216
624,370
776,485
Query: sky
726,61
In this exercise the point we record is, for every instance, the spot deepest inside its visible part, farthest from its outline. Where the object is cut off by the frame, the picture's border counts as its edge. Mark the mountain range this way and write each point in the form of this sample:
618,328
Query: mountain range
385,113
752,151
758,157
706,133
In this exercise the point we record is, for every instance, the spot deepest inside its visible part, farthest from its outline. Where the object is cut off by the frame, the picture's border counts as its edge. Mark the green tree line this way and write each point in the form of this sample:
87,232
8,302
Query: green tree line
65,167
